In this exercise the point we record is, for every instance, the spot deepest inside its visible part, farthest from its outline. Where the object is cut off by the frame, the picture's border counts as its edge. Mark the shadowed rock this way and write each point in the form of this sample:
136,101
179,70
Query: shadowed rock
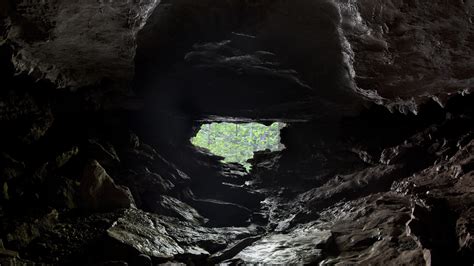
99,191
164,237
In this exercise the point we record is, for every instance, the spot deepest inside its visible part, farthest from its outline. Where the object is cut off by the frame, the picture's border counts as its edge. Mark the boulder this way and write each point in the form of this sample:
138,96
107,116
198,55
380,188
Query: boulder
99,191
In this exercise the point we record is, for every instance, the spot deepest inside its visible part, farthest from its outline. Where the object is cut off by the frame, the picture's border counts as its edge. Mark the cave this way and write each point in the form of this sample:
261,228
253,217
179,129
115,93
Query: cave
258,132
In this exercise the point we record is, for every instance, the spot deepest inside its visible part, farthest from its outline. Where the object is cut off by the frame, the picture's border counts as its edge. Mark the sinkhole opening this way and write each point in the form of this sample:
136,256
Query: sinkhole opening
237,142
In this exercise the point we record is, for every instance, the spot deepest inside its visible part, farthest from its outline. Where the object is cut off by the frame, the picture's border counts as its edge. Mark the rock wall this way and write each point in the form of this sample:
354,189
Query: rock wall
403,53
75,44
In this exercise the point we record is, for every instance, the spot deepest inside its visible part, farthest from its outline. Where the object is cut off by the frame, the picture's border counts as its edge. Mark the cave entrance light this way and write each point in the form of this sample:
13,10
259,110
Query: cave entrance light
237,142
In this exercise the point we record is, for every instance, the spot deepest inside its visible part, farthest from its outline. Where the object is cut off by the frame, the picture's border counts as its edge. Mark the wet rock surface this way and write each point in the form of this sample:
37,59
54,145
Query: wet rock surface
378,165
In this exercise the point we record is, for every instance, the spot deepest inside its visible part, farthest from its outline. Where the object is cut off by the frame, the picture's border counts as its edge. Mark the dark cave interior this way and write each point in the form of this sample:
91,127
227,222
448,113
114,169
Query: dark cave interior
100,101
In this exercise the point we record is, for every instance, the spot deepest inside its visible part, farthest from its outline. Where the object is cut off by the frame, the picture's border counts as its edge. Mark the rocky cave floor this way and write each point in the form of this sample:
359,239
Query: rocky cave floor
98,102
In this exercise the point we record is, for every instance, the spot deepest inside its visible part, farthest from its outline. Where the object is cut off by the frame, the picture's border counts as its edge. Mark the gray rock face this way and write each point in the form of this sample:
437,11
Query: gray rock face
280,52
404,53
99,191
76,44
372,231
164,237
394,53
448,183
410,208
300,246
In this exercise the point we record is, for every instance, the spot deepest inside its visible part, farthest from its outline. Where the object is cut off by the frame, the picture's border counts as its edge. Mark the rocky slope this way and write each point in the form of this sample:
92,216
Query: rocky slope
100,98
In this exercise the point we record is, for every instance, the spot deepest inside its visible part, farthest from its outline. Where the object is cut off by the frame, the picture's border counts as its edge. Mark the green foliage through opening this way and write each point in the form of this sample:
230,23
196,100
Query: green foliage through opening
238,142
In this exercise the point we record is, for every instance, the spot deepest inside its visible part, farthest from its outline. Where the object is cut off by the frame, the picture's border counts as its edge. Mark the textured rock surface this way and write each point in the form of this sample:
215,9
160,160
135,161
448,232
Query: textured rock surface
404,53
300,246
167,238
99,191
372,230
378,161
75,44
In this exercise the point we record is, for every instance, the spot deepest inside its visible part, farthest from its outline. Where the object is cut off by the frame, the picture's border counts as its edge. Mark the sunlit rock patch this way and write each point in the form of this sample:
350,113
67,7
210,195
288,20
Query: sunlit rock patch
237,143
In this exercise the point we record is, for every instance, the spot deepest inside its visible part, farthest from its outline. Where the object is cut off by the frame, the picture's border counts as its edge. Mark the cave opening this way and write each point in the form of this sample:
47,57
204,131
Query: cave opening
236,132
238,142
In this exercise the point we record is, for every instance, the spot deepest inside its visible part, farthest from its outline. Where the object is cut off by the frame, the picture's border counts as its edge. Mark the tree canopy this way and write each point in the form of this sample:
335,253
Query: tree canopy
238,142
